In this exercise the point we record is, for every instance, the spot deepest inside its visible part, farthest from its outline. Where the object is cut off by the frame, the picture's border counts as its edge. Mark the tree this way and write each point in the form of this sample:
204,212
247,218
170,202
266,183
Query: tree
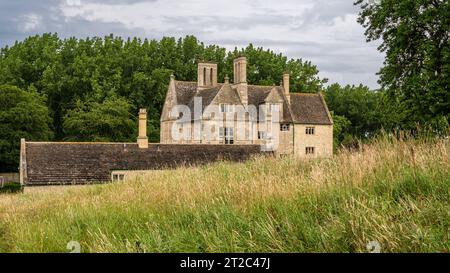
357,104
110,120
25,62
23,114
266,68
415,38
340,131
368,112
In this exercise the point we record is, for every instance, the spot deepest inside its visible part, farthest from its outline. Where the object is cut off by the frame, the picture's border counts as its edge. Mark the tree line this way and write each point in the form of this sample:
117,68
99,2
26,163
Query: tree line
91,89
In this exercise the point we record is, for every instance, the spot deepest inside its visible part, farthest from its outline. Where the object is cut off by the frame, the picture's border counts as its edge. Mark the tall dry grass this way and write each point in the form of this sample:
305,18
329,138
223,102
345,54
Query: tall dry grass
393,192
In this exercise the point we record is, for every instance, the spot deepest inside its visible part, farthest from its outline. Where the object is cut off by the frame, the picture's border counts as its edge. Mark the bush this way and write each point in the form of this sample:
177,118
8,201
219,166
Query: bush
11,188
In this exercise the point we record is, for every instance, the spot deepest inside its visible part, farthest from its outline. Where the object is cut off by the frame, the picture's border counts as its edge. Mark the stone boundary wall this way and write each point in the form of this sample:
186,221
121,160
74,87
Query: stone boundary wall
10,177
60,163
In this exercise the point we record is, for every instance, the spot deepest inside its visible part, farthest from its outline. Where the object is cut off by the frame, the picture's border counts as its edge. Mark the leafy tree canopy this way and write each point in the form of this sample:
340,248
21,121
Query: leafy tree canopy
23,114
415,38
110,120
367,111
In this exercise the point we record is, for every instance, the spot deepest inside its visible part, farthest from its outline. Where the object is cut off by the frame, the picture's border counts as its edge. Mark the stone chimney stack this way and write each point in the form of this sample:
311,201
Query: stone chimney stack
142,139
207,74
286,83
227,79
240,78
240,70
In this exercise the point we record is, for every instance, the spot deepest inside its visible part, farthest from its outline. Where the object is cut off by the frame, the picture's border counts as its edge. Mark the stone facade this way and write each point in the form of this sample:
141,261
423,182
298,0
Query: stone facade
208,112
321,140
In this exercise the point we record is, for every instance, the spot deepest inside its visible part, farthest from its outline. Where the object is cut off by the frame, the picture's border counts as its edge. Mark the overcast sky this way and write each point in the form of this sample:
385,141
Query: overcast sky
322,31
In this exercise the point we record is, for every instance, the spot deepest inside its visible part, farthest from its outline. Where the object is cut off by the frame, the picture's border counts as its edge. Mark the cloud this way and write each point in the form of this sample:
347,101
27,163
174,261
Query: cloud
323,31
30,21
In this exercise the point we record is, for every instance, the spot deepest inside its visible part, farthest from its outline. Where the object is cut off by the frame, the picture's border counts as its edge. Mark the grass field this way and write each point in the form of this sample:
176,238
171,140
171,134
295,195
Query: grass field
395,193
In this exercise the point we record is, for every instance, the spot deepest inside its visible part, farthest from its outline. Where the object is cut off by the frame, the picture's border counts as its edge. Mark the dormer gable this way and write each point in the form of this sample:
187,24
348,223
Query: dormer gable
227,95
274,96
170,101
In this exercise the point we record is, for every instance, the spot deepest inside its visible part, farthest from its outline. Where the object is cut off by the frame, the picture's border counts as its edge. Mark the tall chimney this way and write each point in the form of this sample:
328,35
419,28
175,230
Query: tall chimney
286,86
142,139
206,74
240,78
240,70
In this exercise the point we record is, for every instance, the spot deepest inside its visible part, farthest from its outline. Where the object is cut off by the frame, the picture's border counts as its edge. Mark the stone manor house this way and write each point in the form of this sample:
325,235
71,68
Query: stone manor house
201,122
303,125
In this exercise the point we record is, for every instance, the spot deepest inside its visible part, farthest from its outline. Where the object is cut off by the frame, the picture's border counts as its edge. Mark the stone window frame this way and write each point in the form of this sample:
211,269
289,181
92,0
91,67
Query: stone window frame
285,127
227,134
310,150
310,130
117,176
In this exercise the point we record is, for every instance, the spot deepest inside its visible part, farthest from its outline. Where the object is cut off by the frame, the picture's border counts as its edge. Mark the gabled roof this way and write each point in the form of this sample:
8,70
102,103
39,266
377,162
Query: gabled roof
258,94
309,108
207,96
227,95
274,96
304,108
185,91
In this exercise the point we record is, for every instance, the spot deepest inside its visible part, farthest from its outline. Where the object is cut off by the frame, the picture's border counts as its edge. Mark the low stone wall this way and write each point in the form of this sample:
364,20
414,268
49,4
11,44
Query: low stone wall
10,177
50,163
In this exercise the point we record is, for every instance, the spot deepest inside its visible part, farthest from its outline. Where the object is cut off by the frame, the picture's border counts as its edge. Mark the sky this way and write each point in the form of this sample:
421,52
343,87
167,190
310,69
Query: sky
324,32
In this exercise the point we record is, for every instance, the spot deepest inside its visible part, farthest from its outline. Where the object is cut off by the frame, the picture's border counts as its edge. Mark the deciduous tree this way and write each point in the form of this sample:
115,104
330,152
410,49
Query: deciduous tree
415,37
23,114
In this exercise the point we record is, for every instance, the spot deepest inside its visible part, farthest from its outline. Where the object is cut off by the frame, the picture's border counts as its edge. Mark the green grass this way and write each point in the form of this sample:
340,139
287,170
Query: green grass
396,193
